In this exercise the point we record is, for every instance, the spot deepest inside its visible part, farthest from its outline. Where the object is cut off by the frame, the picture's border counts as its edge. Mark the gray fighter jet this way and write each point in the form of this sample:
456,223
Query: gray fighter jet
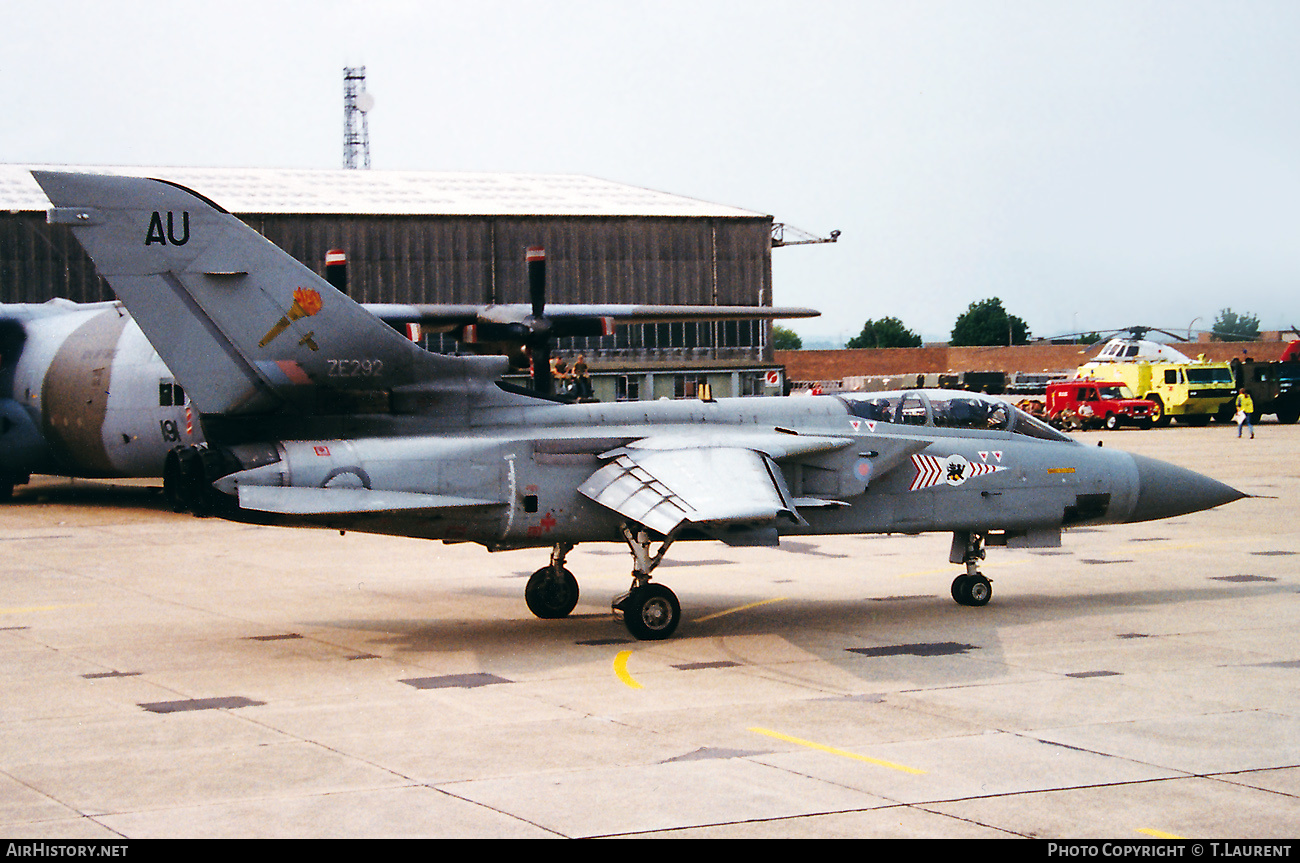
318,414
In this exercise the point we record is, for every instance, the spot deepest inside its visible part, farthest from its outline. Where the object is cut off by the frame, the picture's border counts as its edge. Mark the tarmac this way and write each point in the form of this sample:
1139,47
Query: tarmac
167,676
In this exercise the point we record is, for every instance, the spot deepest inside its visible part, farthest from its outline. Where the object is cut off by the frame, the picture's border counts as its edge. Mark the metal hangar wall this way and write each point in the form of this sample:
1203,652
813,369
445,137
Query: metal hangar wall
438,237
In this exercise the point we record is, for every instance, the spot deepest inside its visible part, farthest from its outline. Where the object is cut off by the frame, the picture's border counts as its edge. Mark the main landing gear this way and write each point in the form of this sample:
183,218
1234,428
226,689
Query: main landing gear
650,611
552,591
972,588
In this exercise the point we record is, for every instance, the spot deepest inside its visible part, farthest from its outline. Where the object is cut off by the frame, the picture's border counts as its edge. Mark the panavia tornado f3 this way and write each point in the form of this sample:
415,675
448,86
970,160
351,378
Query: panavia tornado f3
318,414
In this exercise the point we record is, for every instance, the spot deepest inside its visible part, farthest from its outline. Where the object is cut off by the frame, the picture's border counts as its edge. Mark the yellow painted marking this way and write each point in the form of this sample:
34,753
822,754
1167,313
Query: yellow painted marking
620,669
1159,834
833,751
738,608
1060,470
42,608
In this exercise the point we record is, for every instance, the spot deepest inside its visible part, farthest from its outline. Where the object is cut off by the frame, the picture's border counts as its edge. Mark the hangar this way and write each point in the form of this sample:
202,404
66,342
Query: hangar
443,237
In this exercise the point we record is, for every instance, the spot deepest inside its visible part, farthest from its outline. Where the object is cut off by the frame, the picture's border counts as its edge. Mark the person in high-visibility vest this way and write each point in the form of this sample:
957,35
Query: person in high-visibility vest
1245,407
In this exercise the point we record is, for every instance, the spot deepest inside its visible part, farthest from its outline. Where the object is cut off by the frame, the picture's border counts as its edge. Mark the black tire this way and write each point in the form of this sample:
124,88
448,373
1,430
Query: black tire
959,588
551,596
1158,415
1288,416
1112,422
651,613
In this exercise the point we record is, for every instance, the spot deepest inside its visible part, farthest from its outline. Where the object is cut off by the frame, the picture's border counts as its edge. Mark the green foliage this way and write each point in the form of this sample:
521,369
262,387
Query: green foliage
987,323
786,340
885,333
1232,327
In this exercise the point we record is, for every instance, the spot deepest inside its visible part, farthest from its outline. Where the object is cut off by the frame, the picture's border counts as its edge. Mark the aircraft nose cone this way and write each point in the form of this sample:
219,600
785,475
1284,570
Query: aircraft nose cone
1165,490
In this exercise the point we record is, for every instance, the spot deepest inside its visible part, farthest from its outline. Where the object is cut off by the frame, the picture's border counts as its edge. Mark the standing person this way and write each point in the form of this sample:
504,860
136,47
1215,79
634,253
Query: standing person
560,372
581,380
1245,407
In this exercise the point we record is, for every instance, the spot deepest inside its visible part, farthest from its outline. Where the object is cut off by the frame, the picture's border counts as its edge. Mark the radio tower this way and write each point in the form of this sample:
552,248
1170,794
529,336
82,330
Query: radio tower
356,104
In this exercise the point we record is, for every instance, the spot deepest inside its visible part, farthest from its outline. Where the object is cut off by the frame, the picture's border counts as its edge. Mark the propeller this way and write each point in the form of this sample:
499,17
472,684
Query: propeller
538,336
525,332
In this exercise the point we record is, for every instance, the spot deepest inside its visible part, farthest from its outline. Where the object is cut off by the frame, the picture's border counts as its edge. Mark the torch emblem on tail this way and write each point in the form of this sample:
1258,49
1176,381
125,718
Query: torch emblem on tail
306,302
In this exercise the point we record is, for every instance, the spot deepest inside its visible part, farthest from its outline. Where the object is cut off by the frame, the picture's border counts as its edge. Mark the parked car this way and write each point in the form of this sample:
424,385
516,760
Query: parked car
1097,404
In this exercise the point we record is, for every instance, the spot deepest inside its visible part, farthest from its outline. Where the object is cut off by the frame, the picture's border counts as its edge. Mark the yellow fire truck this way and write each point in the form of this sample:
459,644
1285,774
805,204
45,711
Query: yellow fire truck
1194,392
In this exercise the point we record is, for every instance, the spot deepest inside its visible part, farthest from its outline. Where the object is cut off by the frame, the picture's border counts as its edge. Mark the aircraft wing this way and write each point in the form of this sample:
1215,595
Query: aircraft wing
729,492
729,486
568,319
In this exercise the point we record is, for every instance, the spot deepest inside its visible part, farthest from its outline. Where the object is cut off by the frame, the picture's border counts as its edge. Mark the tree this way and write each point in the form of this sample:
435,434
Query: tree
987,323
885,333
1232,327
786,340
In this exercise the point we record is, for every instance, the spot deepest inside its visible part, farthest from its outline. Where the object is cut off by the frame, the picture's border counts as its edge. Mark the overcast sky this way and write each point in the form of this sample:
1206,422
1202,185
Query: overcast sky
1093,163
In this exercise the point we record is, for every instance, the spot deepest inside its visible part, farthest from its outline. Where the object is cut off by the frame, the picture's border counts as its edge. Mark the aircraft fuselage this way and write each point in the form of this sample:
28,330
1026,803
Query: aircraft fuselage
85,394
882,478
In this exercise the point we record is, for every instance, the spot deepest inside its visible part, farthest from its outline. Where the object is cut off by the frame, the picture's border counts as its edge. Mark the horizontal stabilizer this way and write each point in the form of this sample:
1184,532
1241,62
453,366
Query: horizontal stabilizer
345,501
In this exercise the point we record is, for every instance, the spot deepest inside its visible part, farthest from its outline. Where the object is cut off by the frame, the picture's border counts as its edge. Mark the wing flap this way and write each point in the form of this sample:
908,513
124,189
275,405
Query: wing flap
665,489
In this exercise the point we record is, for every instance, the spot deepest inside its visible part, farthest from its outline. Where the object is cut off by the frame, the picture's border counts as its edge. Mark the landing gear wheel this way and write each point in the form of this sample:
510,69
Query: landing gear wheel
650,613
551,593
978,590
973,590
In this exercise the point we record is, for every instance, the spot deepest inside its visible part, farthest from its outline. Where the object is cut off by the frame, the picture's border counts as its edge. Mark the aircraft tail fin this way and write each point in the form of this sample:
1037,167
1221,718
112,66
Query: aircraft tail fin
245,327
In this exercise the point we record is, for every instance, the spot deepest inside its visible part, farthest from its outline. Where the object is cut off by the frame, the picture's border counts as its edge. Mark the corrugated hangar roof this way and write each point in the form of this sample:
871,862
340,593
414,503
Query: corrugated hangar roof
388,193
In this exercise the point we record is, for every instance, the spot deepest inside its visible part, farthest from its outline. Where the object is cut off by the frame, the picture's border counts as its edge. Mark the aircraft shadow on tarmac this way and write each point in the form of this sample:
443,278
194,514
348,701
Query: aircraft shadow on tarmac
82,493
941,637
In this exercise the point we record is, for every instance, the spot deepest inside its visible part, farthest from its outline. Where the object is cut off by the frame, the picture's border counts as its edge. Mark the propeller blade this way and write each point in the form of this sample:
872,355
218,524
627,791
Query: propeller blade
336,269
541,356
537,279
539,343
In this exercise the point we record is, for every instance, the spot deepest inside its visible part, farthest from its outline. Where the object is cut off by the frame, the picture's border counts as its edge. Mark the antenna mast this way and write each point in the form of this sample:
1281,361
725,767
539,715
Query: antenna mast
356,130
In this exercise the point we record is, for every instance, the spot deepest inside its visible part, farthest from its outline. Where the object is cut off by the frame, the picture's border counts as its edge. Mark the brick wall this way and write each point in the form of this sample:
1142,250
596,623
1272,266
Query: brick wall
833,365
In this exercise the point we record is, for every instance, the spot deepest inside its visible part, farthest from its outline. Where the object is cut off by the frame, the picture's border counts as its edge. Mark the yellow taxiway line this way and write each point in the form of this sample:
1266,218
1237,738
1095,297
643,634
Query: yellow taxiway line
840,752
620,670
33,608
739,608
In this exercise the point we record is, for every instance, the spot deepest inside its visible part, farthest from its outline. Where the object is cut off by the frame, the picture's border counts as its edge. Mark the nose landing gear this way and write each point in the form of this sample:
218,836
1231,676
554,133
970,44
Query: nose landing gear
972,588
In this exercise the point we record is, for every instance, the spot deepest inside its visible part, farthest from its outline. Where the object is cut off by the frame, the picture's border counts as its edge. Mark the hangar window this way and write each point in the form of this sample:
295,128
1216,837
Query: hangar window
627,388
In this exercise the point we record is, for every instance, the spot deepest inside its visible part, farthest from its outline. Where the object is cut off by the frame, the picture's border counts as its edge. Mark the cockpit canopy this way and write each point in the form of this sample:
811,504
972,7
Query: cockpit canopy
948,409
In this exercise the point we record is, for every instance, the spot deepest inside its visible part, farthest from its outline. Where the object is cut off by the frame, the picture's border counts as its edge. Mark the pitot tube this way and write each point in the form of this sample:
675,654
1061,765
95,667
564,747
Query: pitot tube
306,303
